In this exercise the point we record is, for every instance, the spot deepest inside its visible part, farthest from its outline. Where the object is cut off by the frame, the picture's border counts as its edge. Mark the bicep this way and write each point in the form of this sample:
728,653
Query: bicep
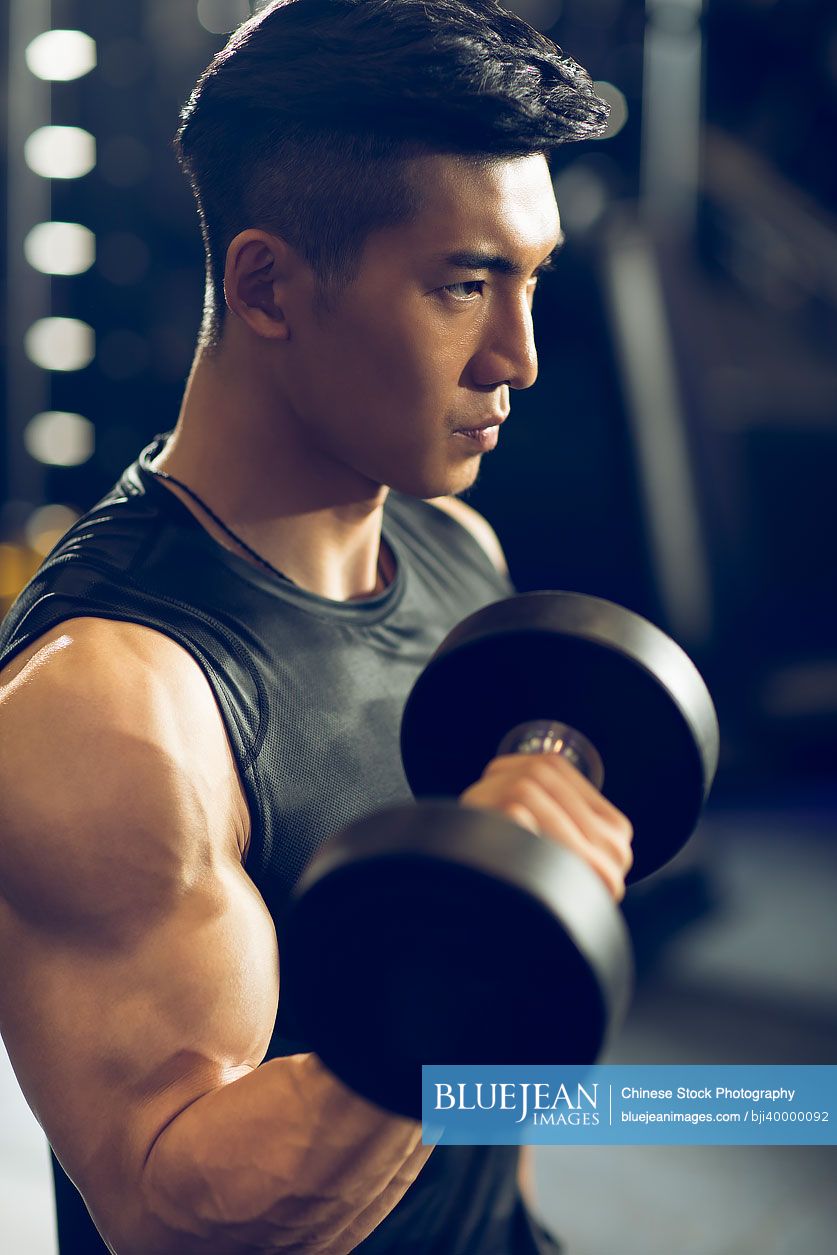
110,1040
140,962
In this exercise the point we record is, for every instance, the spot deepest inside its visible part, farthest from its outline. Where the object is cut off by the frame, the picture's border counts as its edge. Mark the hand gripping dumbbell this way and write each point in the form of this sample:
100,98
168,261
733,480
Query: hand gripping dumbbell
436,933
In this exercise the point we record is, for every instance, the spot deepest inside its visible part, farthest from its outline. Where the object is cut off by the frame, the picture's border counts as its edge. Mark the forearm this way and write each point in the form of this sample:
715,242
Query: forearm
282,1159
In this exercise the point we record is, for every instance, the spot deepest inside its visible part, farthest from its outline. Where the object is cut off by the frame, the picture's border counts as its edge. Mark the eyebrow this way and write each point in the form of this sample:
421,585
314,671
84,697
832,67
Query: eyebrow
468,259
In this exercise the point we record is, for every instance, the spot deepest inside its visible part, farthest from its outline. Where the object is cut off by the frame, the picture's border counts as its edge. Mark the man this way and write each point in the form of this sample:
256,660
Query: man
206,677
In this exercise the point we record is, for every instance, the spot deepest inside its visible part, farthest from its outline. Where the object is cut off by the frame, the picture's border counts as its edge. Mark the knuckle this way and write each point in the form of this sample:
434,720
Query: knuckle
557,763
622,823
525,791
531,767
501,762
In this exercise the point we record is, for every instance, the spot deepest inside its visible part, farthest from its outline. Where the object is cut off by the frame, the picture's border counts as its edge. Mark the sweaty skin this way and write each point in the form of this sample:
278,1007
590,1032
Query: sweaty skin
142,970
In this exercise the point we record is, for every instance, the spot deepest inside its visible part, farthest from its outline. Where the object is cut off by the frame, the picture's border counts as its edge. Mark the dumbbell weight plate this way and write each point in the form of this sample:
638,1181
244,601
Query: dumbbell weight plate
442,934
589,663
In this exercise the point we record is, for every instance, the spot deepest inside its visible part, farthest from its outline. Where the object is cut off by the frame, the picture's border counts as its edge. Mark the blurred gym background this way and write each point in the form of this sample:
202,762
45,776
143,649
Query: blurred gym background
678,454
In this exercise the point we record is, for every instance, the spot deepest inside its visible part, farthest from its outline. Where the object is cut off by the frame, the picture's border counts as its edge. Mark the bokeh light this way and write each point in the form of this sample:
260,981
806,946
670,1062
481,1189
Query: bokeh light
60,344
618,107
61,55
60,248
17,565
219,17
46,526
58,438
582,196
60,152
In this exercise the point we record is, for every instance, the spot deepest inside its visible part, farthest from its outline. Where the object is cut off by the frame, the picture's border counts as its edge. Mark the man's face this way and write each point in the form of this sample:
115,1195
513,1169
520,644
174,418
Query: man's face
435,330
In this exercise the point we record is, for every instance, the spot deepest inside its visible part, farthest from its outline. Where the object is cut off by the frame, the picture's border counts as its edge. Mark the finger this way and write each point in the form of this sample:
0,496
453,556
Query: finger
564,782
611,834
555,824
523,799
563,769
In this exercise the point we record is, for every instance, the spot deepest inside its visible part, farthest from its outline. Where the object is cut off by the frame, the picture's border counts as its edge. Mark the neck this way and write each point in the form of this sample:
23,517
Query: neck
249,458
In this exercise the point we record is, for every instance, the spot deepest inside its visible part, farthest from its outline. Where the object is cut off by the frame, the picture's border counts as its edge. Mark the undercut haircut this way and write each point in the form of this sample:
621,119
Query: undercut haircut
305,123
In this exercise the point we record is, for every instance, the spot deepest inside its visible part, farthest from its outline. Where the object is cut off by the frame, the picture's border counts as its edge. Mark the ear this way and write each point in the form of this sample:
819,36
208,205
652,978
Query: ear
258,268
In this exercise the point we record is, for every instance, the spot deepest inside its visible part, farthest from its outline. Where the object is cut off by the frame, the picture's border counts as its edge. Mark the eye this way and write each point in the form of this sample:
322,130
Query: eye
465,291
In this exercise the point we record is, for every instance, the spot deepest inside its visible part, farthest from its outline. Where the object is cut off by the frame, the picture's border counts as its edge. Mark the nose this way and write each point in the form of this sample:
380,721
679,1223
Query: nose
507,353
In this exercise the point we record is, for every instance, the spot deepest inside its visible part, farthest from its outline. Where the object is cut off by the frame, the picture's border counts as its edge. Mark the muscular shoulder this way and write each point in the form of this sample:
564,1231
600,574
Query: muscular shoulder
477,525
121,677
109,734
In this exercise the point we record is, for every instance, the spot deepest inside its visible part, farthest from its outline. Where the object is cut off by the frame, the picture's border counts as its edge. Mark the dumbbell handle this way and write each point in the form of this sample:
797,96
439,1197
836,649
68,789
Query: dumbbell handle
547,736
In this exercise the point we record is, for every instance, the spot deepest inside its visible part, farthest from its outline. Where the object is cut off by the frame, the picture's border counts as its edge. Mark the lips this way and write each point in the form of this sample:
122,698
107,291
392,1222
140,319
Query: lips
484,424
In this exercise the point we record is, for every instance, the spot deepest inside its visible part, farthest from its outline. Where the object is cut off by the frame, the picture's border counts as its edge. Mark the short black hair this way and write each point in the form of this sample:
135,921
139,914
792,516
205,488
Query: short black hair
303,124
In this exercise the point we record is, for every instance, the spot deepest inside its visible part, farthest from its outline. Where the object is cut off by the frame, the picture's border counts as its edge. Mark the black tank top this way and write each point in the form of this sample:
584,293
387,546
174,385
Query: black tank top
311,692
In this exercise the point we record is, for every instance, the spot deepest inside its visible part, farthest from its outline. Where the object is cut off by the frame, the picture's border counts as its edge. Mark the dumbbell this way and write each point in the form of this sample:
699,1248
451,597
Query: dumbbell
436,933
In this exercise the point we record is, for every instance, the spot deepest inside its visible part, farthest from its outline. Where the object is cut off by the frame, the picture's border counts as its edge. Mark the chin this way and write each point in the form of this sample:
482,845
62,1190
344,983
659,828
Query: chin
427,485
